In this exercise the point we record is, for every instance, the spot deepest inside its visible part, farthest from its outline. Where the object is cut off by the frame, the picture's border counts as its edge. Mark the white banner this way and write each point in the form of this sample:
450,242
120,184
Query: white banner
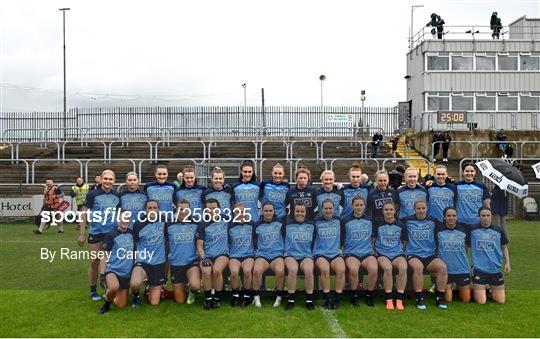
339,117
25,206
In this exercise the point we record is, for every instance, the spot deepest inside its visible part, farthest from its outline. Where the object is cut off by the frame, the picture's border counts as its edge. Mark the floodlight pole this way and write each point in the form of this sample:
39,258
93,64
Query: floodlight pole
64,40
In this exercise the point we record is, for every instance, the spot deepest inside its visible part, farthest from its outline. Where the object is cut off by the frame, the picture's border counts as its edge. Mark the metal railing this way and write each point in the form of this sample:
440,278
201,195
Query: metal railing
474,146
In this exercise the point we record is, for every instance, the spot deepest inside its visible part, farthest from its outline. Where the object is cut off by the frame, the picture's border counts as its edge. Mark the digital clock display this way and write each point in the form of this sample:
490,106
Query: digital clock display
449,117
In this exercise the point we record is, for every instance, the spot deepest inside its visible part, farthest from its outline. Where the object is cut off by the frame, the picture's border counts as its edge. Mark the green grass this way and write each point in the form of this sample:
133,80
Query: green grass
38,298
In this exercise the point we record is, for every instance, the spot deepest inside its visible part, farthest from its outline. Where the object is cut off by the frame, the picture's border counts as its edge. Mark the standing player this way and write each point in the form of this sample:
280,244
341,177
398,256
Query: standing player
390,235
149,239
247,190
488,247
162,191
299,234
410,193
219,190
421,254
191,191
241,252
441,194
52,199
213,251
356,234
329,191
99,208
269,247
378,196
78,193
119,244
471,196
133,199
181,237
327,253
354,189
276,190
452,239
302,192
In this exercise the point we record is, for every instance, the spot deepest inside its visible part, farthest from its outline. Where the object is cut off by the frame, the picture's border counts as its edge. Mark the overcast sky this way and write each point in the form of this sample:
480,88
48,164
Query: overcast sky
147,53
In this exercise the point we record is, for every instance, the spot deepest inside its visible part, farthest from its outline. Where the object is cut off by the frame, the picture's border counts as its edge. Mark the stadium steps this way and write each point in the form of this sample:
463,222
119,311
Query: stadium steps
410,152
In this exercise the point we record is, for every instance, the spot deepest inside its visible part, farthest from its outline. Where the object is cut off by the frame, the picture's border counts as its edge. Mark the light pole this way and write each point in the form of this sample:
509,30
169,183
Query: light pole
64,37
244,86
363,98
411,32
322,78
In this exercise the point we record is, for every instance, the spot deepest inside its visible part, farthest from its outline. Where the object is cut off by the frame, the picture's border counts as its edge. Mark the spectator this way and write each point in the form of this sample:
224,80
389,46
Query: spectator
375,143
440,27
179,179
97,185
433,23
78,193
501,145
52,199
496,25
447,139
499,207
508,151
394,141
437,138
396,177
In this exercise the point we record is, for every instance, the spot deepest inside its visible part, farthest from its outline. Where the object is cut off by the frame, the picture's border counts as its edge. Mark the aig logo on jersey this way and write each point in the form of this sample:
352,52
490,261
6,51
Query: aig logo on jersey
485,245
271,237
242,241
326,233
359,235
183,237
300,237
452,246
380,202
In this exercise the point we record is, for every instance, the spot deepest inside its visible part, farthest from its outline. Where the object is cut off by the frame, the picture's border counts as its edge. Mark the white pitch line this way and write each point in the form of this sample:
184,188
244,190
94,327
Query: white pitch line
37,241
333,324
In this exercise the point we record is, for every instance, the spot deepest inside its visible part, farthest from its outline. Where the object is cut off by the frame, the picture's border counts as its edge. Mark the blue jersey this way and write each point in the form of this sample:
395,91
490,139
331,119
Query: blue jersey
327,237
163,194
349,192
223,196
248,194
134,202
193,195
120,244
306,196
241,240
452,249
103,207
182,242
439,198
407,197
376,200
214,235
335,195
149,238
421,236
389,239
299,239
356,234
276,194
268,239
470,198
486,249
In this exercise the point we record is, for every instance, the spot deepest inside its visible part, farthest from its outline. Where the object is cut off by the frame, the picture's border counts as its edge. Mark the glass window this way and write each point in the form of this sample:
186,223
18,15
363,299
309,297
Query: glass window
462,63
462,103
530,103
438,103
507,63
530,62
508,103
485,103
437,63
485,63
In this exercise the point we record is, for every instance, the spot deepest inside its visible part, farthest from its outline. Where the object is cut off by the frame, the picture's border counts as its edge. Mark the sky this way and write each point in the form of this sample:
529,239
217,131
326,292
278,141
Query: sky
185,53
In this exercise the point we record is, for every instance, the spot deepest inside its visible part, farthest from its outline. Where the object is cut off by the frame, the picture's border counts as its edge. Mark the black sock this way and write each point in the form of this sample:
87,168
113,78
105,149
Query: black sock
418,295
135,294
388,295
256,292
194,291
107,303
247,294
356,293
208,295
326,296
93,288
309,297
279,293
368,293
218,296
337,296
400,296
291,296
235,293
440,294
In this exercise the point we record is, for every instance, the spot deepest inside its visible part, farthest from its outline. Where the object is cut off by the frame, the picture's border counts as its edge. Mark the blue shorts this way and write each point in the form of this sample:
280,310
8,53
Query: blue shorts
483,278
123,282
155,274
96,238
241,259
378,255
329,259
298,260
460,279
179,273
362,258
425,261
269,260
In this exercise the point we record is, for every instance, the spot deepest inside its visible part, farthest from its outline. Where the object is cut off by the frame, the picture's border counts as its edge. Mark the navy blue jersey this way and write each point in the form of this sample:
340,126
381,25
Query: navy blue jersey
486,249
241,240
327,237
299,239
120,244
214,235
134,202
276,194
102,208
470,197
306,195
376,200
223,196
439,198
452,249
421,236
356,234
268,239
389,238
193,195
335,195
248,194
149,238
182,242
349,192
163,194
407,197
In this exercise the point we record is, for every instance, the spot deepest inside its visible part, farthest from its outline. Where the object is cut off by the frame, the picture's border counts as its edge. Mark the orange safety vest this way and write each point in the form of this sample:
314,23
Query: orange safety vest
51,199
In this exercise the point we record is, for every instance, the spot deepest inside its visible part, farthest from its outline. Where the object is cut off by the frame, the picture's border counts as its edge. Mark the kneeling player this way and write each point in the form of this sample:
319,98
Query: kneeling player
422,253
269,245
356,231
119,244
183,254
390,235
488,246
328,254
299,235
213,250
